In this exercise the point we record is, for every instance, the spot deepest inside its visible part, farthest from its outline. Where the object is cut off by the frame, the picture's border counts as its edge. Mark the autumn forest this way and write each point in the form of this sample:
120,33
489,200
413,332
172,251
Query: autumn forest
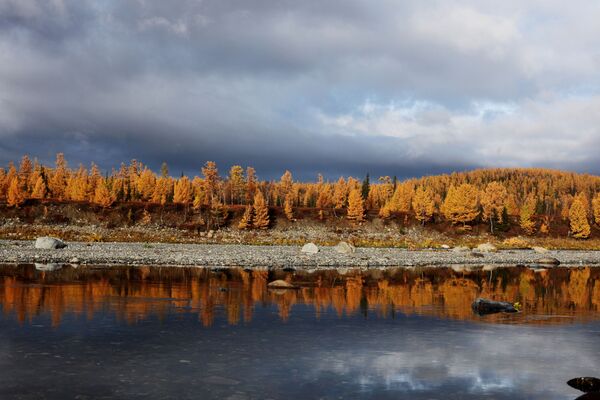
532,200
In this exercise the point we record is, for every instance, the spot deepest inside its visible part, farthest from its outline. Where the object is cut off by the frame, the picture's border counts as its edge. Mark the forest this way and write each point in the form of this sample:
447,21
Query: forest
531,199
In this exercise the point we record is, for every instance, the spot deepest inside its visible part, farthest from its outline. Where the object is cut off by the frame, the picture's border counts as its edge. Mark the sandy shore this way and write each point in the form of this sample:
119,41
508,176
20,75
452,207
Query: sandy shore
270,256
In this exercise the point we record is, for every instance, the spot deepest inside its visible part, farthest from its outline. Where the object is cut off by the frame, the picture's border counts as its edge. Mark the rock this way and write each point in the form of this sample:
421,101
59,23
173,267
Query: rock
461,249
475,254
344,248
485,306
548,261
486,248
589,396
585,384
445,246
310,248
47,242
210,234
540,250
280,284
74,260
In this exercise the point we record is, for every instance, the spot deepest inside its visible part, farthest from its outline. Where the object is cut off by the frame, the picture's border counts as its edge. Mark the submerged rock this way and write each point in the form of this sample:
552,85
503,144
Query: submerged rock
585,384
485,306
589,396
280,284
310,248
548,261
49,243
344,248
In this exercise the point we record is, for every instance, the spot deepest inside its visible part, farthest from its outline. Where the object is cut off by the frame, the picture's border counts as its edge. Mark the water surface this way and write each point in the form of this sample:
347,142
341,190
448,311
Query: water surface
156,332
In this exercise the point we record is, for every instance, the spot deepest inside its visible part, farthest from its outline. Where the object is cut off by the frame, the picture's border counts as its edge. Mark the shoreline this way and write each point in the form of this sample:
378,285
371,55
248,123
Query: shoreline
277,256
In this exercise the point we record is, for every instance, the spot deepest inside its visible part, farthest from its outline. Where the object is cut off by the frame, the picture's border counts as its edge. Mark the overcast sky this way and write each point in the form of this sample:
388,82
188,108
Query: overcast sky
340,87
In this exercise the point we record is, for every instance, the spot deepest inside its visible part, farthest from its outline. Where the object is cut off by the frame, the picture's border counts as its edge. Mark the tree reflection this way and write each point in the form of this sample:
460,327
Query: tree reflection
135,293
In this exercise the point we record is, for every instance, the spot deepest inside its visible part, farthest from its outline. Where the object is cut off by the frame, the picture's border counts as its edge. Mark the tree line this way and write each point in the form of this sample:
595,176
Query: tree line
534,198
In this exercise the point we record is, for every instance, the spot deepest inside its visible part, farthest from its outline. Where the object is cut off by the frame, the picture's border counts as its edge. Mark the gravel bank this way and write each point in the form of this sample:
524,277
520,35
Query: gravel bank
270,256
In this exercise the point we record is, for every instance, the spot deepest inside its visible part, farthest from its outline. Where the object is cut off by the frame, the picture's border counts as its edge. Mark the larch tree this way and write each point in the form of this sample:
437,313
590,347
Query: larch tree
250,184
58,182
596,208
246,221
578,220
340,193
401,200
182,191
211,180
461,204
287,207
493,202
526,220
423,204
15,196
103,197
40,189
236,184
356,209
261,212
25,171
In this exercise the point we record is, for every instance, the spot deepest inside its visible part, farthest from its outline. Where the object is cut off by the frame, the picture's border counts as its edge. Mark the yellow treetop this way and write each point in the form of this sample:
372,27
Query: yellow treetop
423,204
493,202
102,197
461,204
287,207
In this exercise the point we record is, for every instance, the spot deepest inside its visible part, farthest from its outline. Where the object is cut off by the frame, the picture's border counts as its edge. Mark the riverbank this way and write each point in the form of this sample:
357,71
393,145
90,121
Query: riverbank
272,256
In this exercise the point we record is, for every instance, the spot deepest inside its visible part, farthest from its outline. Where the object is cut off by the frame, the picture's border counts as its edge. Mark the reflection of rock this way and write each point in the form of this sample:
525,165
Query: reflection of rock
47,267
485,306
310,248
585,384
280,284
47,242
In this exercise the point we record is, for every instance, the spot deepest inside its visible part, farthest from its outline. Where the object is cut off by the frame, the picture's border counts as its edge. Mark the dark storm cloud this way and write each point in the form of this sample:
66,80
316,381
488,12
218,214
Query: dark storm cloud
340,87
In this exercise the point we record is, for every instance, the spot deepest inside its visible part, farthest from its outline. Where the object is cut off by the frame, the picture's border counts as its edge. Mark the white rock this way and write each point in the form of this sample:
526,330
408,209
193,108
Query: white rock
445,246
47,242
461,249
487,248
310,248
539,249
344,248
47,267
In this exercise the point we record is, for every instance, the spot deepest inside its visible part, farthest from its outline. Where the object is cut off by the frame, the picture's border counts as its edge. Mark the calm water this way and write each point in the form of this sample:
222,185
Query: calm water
156,333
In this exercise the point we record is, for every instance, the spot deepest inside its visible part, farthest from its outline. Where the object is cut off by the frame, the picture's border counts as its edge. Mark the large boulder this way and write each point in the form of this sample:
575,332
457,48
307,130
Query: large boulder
310,248
486,248
484,306
344,248
49,243
585,384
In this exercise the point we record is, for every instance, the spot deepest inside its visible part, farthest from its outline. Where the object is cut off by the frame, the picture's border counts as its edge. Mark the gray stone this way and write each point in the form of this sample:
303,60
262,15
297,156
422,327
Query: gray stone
310,248
485,306
486,248
47,267
344,248
47,242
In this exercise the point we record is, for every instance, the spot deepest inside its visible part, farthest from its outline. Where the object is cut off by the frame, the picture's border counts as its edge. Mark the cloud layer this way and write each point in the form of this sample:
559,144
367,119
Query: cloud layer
342,87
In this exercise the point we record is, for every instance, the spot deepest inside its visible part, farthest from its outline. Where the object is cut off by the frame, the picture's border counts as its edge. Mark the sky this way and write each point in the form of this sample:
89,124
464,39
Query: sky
388,87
